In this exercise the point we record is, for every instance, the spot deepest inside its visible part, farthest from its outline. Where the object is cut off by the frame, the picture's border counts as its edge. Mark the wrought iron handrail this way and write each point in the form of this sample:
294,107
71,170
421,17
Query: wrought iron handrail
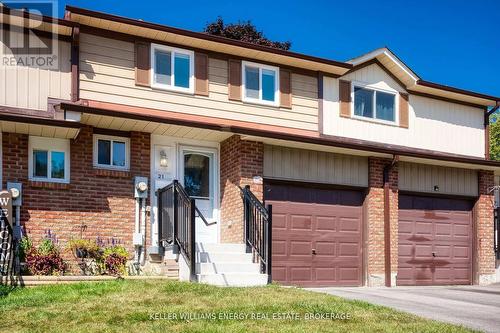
177,213
258,229
200,215
496,216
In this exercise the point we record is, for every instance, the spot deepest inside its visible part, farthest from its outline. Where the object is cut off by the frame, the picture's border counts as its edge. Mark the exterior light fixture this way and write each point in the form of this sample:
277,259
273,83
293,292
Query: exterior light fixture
163,159
436,188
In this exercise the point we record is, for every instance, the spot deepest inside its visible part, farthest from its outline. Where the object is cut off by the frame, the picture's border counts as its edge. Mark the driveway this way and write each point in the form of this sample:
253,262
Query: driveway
472,306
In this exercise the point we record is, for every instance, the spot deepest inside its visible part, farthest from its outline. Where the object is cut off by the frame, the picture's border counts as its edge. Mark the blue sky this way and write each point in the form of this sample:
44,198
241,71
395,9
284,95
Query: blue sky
450,42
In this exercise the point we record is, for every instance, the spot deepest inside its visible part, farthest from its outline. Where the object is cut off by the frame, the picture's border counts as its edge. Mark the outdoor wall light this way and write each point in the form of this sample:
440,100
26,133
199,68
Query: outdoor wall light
163,159
436,188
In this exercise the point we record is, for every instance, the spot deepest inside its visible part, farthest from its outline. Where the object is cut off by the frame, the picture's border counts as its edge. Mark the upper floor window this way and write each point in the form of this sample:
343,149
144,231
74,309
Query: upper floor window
48,159
260,83
172,68
111,152
375,104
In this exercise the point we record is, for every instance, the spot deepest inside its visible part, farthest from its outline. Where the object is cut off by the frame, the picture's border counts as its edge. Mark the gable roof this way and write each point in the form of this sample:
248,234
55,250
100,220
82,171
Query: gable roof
385,58
204,41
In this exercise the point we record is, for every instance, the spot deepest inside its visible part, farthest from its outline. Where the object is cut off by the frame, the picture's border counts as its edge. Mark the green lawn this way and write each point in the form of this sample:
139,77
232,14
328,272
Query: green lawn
131,306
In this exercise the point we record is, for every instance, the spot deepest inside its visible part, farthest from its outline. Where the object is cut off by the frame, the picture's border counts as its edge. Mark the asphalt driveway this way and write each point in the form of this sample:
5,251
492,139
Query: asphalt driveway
472,306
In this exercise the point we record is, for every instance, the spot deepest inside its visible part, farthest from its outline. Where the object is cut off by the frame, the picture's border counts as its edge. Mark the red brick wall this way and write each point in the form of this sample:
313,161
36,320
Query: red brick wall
483,213
375,218
240,161
101,200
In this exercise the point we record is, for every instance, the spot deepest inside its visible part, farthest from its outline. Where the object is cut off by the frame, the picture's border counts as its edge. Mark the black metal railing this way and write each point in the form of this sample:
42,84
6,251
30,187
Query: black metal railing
258,230
177,214
496,214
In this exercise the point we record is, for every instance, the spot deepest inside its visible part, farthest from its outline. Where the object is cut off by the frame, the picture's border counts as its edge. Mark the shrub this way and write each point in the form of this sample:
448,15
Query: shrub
113,260
85,248
25,245
45,260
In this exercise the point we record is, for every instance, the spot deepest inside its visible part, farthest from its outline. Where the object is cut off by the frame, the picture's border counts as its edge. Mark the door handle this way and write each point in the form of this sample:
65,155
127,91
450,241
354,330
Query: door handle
313,251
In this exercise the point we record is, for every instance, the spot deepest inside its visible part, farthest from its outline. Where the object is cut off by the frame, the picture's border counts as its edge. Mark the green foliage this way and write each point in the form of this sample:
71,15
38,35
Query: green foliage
45,259
113,260
47,246
89,247
244,31
495,137
25,245
5,290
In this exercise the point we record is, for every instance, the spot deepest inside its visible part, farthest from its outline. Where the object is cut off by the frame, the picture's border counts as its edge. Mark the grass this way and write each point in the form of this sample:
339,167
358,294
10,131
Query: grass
131,306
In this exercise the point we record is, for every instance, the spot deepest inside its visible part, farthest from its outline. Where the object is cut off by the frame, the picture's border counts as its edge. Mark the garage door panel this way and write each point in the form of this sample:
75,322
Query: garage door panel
325,223
315,220
434,241
299,274
300,248
279,221
349,224
325,274
349,250
326,248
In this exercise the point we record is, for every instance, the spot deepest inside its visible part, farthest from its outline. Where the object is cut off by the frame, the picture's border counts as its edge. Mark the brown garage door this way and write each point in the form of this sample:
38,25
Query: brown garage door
435,241
317,235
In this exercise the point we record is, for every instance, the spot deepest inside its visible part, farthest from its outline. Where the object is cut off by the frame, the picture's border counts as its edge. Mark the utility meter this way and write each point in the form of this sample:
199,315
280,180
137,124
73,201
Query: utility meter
141,187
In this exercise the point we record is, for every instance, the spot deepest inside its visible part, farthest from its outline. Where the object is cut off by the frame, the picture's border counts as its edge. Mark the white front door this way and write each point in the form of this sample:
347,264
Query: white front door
198,176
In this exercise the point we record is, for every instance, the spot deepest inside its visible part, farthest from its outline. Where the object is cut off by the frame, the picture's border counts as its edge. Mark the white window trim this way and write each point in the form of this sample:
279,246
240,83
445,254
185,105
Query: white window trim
172,50
375,120
259,100
50,145
112,138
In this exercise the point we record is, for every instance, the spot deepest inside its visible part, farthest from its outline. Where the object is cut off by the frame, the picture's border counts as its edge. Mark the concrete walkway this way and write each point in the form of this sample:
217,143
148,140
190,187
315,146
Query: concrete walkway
472,306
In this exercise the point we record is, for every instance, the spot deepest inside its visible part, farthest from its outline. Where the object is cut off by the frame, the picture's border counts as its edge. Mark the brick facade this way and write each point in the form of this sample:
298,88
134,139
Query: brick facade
483,222
240,161
375,223
102,201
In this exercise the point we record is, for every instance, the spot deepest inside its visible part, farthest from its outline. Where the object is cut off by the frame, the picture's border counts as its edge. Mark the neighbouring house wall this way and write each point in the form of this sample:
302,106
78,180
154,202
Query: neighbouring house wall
29,87
433,124
107,75
415,177
315,166
240,161
101,200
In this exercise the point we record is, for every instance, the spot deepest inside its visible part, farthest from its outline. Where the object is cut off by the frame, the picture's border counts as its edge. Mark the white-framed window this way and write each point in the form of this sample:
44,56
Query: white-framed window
111,152
374,103
260,83
172,68
48,159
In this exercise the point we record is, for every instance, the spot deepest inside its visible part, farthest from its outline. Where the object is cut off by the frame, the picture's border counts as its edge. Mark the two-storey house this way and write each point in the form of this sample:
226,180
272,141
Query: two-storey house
374,175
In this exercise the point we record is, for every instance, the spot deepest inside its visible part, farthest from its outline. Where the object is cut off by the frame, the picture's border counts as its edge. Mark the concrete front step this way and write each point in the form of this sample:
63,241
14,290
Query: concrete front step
233,279
236,257
227,267
222,247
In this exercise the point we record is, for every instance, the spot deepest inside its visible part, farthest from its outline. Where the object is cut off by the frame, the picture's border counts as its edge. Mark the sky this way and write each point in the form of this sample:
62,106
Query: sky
456,43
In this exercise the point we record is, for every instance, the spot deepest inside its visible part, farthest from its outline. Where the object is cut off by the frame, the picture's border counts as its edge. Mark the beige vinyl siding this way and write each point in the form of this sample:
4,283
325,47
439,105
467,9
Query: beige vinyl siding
422,178
433,124
29,87
107,74
314,166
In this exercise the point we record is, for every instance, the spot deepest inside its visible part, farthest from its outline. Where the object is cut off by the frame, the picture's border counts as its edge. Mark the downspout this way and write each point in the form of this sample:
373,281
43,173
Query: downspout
487,115
75,64
387,219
